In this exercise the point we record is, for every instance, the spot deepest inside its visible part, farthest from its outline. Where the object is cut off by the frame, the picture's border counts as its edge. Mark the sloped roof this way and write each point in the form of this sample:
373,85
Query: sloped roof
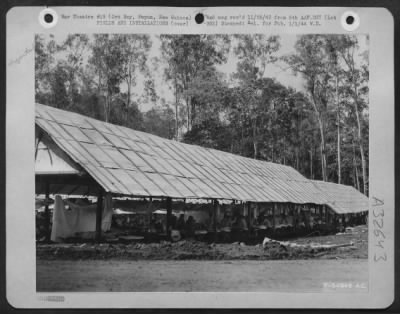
128,162
343,199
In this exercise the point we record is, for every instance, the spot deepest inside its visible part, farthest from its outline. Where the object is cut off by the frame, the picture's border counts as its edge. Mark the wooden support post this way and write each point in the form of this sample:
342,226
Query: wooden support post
274,210
215,215
169,213
149,212
47,213
248,215
99,214
249,226
215,205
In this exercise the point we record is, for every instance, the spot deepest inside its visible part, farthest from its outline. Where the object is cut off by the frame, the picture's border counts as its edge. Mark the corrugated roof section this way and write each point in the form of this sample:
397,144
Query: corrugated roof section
128,162
343,199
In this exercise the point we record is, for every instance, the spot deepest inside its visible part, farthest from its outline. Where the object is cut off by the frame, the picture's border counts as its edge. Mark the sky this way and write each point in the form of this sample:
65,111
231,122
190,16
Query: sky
278,70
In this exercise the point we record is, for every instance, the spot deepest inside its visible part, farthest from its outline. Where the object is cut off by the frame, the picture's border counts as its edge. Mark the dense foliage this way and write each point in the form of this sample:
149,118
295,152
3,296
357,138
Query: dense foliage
321,131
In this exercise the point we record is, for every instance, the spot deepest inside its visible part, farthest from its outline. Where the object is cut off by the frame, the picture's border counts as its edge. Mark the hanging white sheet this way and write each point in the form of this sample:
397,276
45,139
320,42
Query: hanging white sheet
78,219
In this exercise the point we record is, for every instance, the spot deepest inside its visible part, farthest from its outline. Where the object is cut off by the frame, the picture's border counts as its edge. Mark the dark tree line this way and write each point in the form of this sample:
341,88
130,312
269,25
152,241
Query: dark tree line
321,131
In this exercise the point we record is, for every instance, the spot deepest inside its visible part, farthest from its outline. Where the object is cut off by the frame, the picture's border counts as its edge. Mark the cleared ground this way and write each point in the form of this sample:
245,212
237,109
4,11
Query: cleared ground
194,275
199,250
198,266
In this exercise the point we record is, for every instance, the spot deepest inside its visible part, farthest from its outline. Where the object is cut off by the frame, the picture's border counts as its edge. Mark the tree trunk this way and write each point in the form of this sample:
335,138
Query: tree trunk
364,170
128,98
99,89
338,131
255,143
322,134
272,154
322,161
109,107
106,108
284,153
360,143
242,136
192,112
323,146
356,168
71,88
108,94
311,164
176,110
323,151
188,113
357,176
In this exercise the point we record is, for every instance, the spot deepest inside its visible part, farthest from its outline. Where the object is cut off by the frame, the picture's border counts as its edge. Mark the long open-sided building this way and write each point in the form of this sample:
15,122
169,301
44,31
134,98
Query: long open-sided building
78,155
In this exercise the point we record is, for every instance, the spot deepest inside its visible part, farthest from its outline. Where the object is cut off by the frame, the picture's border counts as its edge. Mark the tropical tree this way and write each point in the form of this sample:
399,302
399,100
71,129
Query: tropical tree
254,53
44,66
188,57
106,65
310,60
75,49
356,82
160,121
134,49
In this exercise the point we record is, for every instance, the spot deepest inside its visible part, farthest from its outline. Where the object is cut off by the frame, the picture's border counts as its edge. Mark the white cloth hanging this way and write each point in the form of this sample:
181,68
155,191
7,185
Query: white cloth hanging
78,219
61,221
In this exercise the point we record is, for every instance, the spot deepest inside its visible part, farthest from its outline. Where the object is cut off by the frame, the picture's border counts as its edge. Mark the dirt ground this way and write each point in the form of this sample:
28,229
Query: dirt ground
129,276
355,245
302,264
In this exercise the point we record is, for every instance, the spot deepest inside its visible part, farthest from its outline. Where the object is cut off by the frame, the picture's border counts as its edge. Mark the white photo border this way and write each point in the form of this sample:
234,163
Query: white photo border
23,24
